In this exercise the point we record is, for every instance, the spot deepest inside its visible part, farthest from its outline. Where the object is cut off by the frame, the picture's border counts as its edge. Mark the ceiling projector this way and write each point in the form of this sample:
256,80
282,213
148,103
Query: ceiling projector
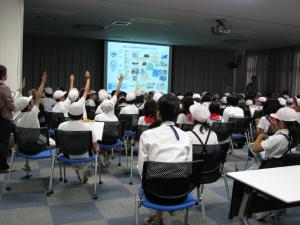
221,28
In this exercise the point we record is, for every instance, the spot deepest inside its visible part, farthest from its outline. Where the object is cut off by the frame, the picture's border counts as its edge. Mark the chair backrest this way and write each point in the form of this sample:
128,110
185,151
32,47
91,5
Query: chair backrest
169,183
31,140
112,131
187,127
222,130
74,142
213,156
240,124
54,119
130,121
90,112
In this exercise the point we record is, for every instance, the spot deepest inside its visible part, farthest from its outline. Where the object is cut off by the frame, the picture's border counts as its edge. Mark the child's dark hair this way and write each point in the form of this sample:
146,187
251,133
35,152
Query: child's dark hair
293,128
168,107
3,71
72,117
214,107
232,100
187,101
150,108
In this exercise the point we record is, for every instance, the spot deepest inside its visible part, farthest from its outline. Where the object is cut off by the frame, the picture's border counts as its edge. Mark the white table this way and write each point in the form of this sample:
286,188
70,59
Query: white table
282,183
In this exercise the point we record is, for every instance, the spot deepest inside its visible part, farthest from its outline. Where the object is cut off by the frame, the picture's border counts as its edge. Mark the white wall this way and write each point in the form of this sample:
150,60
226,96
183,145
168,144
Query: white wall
11,39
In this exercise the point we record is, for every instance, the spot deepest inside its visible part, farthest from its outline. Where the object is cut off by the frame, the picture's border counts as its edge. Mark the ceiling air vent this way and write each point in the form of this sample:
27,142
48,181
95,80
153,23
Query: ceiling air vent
121,23
153,21
88,27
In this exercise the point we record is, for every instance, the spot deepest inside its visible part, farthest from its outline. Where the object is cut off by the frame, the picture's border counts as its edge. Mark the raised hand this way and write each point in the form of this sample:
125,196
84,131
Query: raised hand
44,77
72,78
87,75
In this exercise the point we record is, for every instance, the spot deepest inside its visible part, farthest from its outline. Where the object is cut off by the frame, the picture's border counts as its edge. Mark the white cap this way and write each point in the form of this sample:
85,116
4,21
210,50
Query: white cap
91,92
204,93
32,91
107,106
157,96
21,103
48,90
73,94
138,93
200,112
249,102
130,96
282,101
224,100
262,99
285,114
243,95
226,94
102,95
75,109
180,97
196,95
286,96
290,100
297,101
58,94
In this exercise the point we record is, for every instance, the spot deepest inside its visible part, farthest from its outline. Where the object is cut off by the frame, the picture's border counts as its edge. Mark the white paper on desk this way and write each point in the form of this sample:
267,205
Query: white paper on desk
97,128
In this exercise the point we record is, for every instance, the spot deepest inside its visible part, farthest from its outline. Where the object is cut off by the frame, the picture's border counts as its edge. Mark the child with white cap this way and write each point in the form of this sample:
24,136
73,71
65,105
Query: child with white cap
232,109
75,112
202,134
107,106
48,102
63,103
296,107
285,138
29,113
92,99
130,108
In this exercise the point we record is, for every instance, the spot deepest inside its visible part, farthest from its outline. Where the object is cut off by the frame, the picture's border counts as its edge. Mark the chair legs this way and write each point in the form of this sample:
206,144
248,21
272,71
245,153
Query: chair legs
8,188
27,166
233,155
186,216
200,197
131,163
95,177
60,172
126,153
99,168
65,174
50,190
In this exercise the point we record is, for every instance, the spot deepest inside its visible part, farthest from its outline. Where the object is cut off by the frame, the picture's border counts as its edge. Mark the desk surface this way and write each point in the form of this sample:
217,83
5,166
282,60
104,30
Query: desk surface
282,183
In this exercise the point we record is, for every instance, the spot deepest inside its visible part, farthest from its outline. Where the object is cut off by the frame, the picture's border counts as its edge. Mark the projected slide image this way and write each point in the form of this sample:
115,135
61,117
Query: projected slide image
146,67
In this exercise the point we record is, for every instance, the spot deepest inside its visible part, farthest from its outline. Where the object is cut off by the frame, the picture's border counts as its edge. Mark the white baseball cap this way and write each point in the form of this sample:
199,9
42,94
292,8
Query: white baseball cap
282,101
48,90
157,96
286,96
226,94
102,95
290,100
75,109
130,96
249,102
58,94
21,103
200,112
196,95
204,93
138,93
224,100
73,94
262,99
107,106
91,92
180,97
286,114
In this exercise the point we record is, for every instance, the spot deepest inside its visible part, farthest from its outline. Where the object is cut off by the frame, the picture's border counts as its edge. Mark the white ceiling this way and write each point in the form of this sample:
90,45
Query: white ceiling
256,23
